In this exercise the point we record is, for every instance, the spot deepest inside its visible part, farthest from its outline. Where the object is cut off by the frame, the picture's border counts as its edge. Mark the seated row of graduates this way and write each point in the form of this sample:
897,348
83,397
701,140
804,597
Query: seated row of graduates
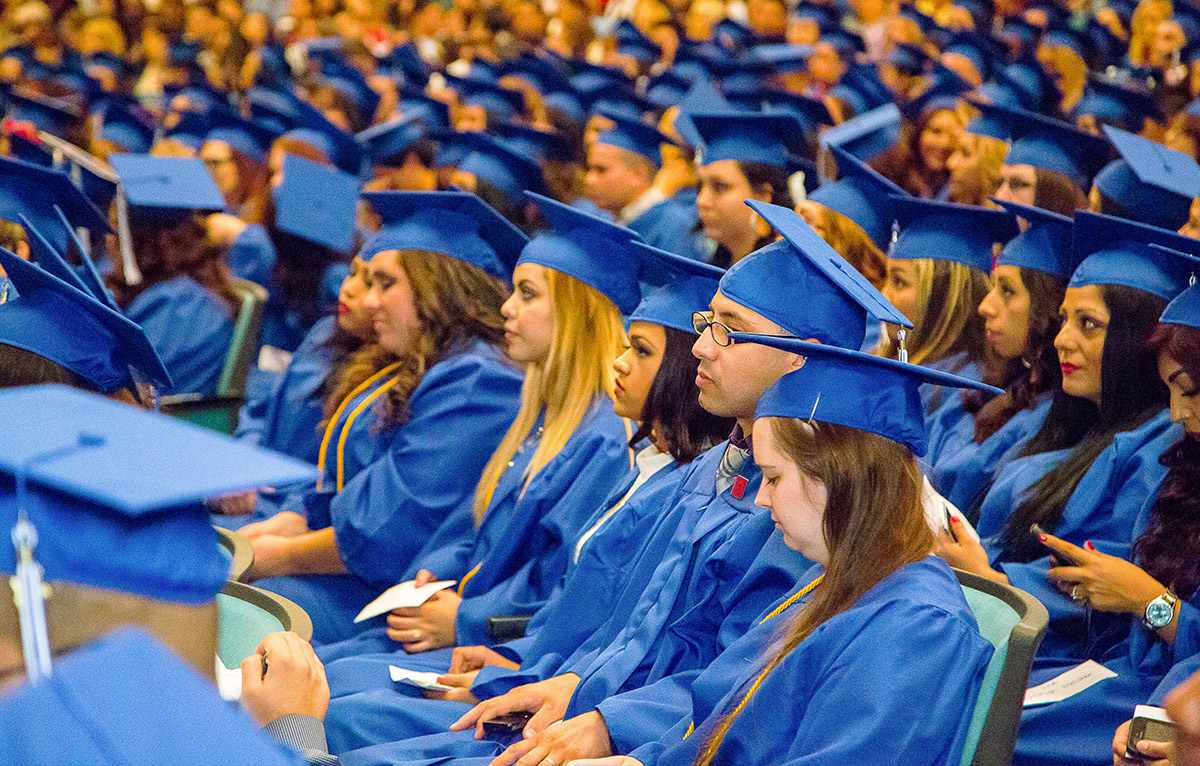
694,562
1050,449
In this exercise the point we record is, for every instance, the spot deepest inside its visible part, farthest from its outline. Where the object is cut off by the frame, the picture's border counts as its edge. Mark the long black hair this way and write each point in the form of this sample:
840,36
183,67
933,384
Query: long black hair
1131,392
672,409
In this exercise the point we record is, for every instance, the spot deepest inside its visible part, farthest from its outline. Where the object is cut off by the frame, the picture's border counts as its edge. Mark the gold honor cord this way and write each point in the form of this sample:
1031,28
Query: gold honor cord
337,414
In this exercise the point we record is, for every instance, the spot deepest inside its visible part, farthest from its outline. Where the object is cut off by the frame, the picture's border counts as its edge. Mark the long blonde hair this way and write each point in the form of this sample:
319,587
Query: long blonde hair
863,473
587,335
948,321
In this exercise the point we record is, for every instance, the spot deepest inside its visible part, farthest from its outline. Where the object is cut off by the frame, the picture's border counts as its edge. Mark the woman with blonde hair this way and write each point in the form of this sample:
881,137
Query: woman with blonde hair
875,615
937,276
566,448
394,452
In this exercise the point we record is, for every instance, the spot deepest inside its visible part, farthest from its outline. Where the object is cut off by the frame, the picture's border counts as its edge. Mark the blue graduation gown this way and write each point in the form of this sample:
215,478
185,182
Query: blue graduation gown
285,414
402,485
846,694
962,468
190,327
252,255
1079,729
1103,509
671,226
690,562
125,699
555,630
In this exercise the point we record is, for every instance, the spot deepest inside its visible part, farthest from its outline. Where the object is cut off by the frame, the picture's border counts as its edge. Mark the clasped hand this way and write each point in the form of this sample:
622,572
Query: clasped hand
428,626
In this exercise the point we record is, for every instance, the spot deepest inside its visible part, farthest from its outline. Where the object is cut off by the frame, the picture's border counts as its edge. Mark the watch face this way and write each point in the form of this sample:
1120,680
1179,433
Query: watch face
1159,613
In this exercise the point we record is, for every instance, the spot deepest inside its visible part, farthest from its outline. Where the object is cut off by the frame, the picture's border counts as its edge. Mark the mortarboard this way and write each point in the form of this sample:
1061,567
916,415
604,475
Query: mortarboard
166,190
1115,251
148,533
632,42
862,195
589,76
634,136
456,224
542,144
804,286
745,136
71,328
1045,246
1150,182
415,105
125,128
1051,144
812,112
503,103
93,282
388,141
780,57
1184,309
127,698
945,231
34,191
273,108
850,388
52,115
942,94
666,89
316,202
491,159
250,138
588,248
338,145
862,89
682,286
868,135
29,150
979,50
909,59
1114,104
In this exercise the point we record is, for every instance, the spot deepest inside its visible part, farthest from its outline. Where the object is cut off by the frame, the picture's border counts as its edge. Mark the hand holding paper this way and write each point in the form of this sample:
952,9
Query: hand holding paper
405,595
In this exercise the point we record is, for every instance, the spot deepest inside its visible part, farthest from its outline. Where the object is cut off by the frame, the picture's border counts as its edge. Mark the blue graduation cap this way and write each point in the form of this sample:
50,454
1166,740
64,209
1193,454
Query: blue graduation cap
812,112
632,42
589,76
1115,251
945,231
68,326
273,109
942,94
732,35
1045,246
541,144
909,59
977,49
189,129
51,261
862,89
1052,145
782,57
456,224
1184,309
88,274
492,160
702,97
545,74
746,136
52,115
248,137
338,145
389,141
614,98
166,189
1150,183
28,150
804,286
588,248
848,44
123,127
682,286
567,103
147,534
415,105
1030,80
316,202
667,89
34,191
1115,104
849,388
862,195
827,16
126,697
1065,37
868,135
351,84
503,103
633,135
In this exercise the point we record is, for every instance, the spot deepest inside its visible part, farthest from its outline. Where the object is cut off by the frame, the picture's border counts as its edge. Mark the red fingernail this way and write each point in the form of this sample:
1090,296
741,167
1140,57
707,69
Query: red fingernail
1089,545
953,519
1041,538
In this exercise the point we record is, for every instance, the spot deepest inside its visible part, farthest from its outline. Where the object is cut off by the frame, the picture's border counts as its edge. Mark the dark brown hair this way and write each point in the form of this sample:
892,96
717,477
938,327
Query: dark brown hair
166,251
1055,192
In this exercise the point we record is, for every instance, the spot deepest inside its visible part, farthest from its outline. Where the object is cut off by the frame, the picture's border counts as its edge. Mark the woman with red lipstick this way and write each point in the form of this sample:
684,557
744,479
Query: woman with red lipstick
971,444
1150,582
393,454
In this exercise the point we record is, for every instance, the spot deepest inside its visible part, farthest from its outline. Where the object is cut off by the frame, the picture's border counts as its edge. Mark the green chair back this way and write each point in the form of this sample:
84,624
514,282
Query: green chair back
1013,622
239,551
248,614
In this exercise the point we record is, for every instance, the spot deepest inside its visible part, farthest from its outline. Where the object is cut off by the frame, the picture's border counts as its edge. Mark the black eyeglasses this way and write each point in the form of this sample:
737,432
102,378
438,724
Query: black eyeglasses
702,320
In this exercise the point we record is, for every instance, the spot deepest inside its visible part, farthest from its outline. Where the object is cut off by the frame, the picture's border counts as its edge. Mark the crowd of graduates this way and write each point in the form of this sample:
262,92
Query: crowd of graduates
682,350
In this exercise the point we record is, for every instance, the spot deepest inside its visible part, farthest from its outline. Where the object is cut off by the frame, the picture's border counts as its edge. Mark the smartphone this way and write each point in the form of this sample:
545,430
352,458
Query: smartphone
1149,723
507,727
949,523
1062,560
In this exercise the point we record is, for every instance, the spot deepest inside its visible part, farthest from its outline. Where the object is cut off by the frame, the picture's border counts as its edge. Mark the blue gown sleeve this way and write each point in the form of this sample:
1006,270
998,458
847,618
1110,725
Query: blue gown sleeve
252,255
261,388
569,493
459,413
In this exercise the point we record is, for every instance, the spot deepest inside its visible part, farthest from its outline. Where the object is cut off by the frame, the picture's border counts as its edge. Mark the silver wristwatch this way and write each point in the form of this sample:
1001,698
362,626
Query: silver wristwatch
1160,611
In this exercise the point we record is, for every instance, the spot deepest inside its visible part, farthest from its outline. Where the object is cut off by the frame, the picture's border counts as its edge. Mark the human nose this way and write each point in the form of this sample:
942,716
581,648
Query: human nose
987,307
705,347
508,308
621,363
371,299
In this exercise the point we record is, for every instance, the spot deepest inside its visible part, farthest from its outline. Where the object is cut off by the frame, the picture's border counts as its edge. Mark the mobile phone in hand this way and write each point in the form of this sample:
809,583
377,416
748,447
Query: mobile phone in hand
1149,723
1058,559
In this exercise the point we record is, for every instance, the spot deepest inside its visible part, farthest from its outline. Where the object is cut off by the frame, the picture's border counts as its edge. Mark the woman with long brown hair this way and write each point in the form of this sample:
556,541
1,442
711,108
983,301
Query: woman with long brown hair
830,672
394,451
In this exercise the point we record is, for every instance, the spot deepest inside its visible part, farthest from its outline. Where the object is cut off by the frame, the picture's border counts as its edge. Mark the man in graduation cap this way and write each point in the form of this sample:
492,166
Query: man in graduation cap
622,164
114,661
